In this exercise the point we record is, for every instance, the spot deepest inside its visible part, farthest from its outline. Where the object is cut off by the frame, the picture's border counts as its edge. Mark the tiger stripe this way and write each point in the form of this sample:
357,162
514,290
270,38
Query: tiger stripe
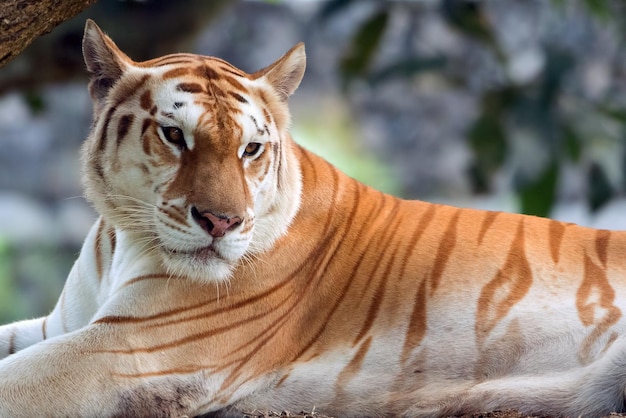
44,334
417,324
379,293
602,242
98,250
123,127
508,287
489,218
355,365
557,230
594,296
11,349
443,253
193,88
63,312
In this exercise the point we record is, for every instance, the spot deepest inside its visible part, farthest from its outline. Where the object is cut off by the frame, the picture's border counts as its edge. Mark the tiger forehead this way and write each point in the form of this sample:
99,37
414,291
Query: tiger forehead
208,76
206,94
190,61
206,68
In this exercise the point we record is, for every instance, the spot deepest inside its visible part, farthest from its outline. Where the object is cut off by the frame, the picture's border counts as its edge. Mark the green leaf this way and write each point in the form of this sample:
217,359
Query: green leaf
558,65
619,114
9,290
487,139
599,8
35,102
599,189
406,68
572,144
357,59
469,18
501,100
537,196
332,7
479,179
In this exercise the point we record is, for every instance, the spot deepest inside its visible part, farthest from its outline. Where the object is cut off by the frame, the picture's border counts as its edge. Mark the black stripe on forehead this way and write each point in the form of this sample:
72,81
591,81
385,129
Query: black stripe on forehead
238,97
228,67
206,72
182,59
191,88
259,131
235,84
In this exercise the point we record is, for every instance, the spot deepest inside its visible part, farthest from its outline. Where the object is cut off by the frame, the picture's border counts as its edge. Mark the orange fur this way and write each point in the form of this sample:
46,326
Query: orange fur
341,298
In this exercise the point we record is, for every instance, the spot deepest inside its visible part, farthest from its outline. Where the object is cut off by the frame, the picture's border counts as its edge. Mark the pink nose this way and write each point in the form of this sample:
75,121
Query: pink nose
215,225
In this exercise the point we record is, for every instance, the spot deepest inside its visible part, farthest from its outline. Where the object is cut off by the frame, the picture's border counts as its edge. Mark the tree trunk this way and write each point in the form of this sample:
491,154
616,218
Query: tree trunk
21,21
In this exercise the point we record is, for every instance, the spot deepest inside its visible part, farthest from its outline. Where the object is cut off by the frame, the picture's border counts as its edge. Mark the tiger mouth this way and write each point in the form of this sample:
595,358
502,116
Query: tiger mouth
200,254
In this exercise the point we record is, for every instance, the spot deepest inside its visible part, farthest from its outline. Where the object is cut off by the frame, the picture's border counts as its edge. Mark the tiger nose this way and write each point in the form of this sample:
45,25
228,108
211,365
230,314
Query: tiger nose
215,225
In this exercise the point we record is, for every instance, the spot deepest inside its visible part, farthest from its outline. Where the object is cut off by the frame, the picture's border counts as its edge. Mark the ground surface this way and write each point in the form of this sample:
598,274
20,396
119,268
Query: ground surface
499,414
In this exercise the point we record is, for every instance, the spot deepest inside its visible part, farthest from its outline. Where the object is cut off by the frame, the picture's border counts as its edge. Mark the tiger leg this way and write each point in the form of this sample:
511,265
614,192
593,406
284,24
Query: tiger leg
76,305
19,335
22,334
594,390
78,374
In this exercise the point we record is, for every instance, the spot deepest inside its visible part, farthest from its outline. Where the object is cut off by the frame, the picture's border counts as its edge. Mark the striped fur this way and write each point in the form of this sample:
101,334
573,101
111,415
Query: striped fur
232,270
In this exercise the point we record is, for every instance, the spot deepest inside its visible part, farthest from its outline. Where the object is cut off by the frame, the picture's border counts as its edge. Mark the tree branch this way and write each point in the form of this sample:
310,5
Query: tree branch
21,21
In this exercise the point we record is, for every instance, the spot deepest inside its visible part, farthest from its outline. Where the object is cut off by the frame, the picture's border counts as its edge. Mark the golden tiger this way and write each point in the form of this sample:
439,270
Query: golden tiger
231,270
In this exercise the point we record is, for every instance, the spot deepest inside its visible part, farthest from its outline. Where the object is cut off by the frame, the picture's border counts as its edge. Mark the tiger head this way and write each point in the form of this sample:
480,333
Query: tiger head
191,155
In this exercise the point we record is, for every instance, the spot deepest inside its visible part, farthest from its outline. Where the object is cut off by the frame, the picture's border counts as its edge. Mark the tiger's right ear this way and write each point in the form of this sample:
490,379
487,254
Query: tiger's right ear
105,61
286,73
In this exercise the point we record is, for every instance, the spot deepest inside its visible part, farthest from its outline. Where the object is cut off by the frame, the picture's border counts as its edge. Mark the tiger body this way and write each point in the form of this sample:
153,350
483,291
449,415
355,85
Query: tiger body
232,270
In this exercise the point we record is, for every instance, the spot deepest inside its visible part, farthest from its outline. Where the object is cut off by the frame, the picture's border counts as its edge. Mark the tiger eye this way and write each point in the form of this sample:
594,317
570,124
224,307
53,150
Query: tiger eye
175,136
251,149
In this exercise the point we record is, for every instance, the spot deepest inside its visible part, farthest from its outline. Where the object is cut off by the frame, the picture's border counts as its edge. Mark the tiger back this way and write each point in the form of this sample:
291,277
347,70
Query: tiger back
231,270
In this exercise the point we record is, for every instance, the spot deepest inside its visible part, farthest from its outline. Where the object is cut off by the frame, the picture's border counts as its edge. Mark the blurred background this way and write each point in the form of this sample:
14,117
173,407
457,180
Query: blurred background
515,105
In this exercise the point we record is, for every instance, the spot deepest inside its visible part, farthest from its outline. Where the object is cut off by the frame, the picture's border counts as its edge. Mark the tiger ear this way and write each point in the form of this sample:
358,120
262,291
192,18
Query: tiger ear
286,73
105,61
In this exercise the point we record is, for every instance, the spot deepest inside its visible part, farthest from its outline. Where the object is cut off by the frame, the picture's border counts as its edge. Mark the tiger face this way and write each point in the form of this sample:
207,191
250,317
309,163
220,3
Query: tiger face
187,152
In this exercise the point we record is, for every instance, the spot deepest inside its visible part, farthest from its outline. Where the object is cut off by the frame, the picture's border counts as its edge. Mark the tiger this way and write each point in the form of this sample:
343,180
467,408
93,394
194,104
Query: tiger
232,270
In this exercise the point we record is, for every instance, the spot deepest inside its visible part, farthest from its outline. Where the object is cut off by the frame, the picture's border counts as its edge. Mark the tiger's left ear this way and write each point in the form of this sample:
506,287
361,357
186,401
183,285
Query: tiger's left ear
285,74
105,61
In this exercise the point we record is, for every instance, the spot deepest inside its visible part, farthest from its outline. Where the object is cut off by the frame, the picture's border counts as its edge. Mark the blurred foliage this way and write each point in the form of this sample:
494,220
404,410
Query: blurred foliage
356,61
535,105
31,278
329,133
9,310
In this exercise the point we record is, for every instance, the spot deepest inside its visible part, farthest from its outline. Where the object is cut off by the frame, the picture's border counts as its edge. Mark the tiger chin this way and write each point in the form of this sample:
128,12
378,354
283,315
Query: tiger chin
340,299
